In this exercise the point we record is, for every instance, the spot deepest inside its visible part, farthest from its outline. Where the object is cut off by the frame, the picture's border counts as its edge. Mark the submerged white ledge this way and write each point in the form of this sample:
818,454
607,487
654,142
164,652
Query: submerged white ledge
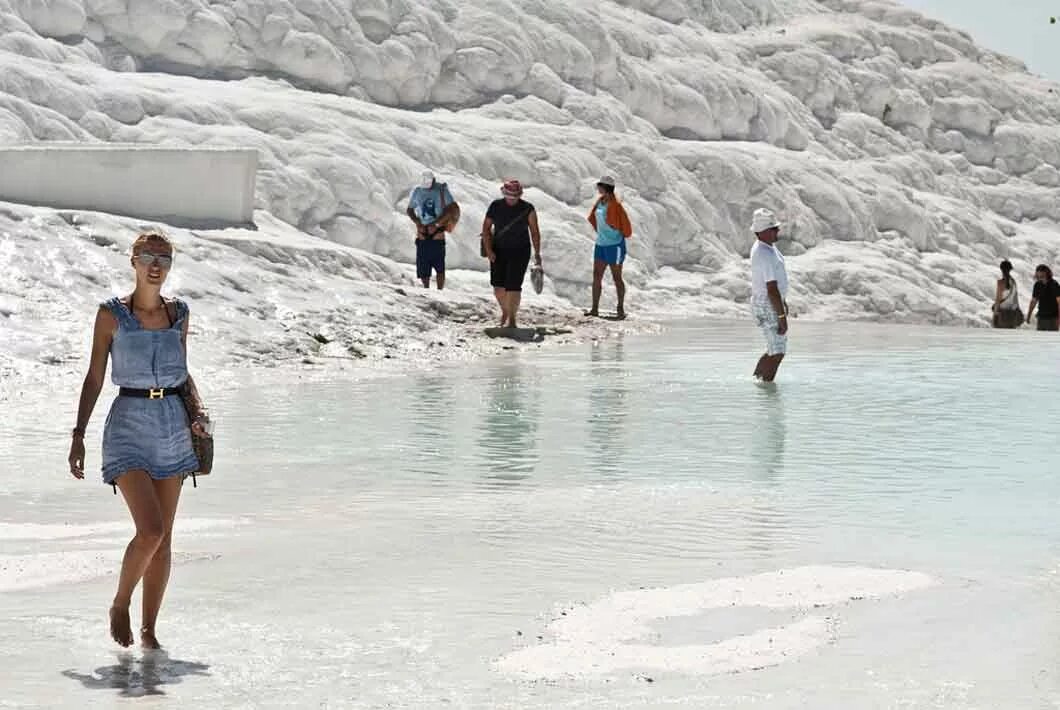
178,185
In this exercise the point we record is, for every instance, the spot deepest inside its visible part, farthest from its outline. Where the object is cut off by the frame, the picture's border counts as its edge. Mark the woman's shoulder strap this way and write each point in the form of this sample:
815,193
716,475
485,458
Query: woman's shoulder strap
178,309
117,308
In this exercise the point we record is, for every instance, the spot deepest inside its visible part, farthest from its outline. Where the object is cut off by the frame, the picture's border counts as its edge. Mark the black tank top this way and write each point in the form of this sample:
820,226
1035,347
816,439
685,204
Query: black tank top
511,223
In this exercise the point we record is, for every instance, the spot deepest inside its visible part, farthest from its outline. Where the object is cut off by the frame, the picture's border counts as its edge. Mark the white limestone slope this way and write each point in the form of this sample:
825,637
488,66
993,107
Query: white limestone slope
905,160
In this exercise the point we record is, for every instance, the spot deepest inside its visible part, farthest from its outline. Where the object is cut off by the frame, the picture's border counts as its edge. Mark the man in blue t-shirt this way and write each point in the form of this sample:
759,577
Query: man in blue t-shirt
434,212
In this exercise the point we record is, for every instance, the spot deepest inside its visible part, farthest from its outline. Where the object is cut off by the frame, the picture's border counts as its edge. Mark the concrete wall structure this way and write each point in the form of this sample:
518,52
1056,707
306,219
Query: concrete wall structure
177,185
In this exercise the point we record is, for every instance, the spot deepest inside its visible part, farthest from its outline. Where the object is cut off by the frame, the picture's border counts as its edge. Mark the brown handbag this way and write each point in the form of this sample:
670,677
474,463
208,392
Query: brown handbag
203,445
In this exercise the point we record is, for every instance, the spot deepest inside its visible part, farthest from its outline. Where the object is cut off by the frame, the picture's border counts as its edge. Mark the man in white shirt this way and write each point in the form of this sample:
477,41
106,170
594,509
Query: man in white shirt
769,288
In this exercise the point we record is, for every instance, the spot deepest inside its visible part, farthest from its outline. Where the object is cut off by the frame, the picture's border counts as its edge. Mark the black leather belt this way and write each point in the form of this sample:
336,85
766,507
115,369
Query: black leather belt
159,393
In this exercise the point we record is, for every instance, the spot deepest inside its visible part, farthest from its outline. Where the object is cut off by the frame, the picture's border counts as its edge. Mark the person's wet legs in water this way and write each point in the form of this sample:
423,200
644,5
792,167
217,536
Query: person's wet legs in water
509,231
769,287
147,445
613,228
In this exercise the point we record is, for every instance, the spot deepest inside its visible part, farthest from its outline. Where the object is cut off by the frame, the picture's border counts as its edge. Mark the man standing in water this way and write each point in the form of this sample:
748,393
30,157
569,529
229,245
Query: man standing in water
433,211
769,287
1046,297
508,231
613,228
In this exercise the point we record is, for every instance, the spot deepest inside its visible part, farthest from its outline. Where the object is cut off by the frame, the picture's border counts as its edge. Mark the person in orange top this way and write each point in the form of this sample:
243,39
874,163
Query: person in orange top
613,228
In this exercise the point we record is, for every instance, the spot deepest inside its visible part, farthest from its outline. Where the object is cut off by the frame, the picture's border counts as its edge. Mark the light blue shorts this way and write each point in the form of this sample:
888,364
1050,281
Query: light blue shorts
767,321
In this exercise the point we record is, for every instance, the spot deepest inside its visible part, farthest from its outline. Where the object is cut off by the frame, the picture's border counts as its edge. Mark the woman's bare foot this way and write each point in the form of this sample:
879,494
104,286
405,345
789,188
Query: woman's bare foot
592,313
120,628
148,639
621,315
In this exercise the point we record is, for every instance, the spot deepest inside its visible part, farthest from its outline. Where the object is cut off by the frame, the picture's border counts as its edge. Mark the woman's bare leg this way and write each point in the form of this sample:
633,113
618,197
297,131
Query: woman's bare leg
157,575
140,496
599,267
620,290
502,300
514,299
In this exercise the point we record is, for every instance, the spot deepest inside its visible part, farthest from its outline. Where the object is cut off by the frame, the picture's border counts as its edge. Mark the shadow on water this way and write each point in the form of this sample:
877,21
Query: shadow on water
136,680
508,443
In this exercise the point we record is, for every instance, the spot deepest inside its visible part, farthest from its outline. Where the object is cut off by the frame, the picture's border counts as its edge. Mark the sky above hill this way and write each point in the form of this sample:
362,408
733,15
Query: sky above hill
1020,29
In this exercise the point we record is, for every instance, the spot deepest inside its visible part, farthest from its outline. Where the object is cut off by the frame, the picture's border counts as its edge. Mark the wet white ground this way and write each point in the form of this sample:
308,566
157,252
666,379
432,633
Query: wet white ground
626,525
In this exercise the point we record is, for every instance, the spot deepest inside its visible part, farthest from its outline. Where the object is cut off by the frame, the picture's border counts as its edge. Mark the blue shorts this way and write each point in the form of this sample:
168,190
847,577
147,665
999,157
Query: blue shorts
614,255
430,254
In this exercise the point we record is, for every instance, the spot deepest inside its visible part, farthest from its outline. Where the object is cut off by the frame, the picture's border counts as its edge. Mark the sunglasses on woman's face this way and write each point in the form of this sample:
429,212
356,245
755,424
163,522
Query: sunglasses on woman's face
147,258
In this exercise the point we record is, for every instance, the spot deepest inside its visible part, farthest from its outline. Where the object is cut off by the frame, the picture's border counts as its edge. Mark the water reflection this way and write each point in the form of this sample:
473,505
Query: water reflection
769,437
432,409
765,521
609,395
508,442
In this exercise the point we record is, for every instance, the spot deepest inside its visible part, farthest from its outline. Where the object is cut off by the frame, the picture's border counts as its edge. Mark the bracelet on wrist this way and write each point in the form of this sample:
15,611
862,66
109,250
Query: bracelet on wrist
78,432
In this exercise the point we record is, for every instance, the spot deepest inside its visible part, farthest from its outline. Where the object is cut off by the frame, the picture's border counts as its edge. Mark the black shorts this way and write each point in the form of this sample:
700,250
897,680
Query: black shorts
430,254
509,268
1048,323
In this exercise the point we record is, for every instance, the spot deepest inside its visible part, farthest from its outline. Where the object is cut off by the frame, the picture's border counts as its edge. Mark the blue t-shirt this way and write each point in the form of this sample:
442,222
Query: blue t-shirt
429,203
606,235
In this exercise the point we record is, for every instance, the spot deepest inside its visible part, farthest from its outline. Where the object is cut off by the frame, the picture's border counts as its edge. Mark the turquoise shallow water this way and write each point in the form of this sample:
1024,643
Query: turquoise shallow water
383,543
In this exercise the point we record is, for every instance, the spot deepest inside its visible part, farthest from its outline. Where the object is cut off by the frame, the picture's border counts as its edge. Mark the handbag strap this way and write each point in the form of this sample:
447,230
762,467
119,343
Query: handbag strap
170,314
524,215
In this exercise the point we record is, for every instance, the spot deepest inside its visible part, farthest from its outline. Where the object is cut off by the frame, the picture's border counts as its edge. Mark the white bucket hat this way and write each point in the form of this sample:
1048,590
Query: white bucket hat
606,180
426,178
763,220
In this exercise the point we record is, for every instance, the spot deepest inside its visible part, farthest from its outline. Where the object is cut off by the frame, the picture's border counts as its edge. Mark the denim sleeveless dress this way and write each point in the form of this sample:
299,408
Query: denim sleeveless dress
151,435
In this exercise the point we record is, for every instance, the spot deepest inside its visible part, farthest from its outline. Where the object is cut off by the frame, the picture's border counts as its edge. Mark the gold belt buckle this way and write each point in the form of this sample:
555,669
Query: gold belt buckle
156,394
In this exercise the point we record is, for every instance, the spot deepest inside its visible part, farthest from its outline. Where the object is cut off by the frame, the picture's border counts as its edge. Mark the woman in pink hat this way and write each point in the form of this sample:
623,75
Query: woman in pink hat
508,232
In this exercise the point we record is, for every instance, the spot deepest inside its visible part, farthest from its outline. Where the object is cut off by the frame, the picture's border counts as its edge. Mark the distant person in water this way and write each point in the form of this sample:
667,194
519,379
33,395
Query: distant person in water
147,445
1007,311
508,232
434,212
613,228
1046,297
769,289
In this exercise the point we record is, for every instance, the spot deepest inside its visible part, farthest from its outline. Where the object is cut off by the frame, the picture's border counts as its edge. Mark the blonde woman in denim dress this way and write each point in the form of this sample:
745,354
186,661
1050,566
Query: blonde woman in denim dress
147,446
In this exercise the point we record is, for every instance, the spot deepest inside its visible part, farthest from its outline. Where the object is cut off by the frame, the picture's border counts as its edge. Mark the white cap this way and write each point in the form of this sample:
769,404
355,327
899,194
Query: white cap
426,178
763,220
606,180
